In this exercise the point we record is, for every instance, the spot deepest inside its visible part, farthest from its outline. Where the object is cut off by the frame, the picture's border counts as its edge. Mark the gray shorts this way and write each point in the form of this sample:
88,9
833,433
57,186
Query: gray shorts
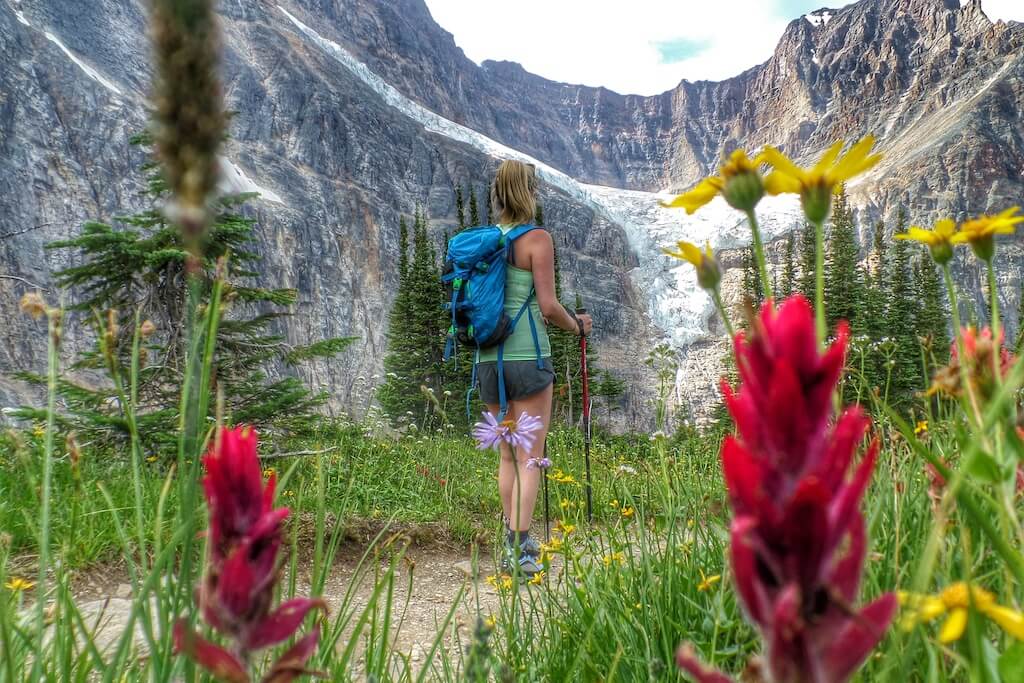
522,378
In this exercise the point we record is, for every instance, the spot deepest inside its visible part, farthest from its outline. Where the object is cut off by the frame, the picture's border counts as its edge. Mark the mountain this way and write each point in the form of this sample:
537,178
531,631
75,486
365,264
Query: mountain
352,112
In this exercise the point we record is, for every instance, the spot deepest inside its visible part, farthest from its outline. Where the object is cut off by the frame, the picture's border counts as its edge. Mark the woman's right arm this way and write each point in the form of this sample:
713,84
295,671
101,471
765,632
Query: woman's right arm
542,263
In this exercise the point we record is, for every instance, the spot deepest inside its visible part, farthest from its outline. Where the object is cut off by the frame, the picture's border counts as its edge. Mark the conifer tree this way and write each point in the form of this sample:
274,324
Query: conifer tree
900,314
875,298
875,325
843,279
807,257
609,388
416,337
753,288
136,268
930,322
403,251
1020,320
539,220
474,213
490,217
460,207
788,268
565,356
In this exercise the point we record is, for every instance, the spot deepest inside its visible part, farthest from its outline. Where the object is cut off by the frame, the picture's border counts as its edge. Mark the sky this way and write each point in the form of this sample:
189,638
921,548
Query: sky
633,46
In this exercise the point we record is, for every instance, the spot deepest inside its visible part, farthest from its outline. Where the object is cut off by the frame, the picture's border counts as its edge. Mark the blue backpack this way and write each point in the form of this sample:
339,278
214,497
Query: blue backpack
474,275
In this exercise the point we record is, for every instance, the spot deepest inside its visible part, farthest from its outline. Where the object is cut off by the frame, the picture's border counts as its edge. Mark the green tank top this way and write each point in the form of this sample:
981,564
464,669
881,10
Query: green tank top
519,346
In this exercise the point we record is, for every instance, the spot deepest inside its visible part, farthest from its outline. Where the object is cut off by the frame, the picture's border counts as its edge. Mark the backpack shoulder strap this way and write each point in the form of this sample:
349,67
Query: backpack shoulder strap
518,231
512,235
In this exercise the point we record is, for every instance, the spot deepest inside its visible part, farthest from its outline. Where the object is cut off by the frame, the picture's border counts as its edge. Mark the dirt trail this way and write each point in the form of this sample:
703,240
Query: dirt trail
439,574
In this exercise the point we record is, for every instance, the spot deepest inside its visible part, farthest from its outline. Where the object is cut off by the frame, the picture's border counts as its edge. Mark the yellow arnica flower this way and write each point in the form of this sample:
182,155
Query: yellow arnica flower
939,239
613,557
537,579
552,546
955,602
502,582
979,232
18,584
739,181
628,511
565,529
707,582
709,273
921,427
817,184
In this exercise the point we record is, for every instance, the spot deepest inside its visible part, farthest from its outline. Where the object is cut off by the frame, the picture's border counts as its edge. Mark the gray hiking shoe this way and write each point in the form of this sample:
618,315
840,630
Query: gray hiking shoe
525,559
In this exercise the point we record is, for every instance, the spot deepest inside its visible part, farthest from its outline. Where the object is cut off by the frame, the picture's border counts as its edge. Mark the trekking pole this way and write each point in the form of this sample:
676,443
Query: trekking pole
544,474
586,419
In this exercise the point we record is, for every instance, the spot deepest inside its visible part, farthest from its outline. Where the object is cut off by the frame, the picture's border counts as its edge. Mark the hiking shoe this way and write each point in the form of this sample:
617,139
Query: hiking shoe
529,567
526,559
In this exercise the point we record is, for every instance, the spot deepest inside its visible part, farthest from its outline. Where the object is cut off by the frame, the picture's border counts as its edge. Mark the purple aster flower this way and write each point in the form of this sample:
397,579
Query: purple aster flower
538,463
489,433
519,433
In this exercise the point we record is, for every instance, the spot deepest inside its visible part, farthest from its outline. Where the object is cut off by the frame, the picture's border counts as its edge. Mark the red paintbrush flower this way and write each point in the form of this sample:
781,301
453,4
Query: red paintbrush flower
238,589
982,355
798,538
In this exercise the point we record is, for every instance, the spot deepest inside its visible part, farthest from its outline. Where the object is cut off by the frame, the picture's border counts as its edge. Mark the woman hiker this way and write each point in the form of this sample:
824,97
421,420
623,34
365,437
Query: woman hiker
528,388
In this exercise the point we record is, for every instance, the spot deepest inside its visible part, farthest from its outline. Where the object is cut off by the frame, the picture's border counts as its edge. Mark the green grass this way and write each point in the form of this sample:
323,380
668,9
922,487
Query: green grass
621,619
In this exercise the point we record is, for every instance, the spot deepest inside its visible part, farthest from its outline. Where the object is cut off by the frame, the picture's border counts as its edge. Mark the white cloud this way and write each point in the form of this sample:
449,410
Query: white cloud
615,44
1004,9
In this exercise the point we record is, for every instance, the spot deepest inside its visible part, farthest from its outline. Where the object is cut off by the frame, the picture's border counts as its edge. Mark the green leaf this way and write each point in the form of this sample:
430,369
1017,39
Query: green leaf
984,467
1011,664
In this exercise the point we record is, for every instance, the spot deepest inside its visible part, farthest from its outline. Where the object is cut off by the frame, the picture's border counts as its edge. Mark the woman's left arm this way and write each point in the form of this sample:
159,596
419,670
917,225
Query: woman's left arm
542,263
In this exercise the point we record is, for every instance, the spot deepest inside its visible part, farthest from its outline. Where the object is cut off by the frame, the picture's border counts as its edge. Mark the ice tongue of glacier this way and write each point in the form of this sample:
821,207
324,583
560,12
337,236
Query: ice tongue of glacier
675,302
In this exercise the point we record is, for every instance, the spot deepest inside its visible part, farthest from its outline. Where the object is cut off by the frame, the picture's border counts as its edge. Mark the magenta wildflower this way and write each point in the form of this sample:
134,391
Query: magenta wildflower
519,433
237,593
795,487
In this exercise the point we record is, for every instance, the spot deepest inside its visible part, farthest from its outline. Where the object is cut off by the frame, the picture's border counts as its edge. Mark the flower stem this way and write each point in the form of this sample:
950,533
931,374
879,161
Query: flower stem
965,380
819,281
997,342
54,317
716,296
762,266
993,292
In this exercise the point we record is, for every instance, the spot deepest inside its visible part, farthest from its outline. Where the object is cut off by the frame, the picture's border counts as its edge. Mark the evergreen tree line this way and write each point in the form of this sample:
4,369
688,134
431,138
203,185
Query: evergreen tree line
129,276
892,299
420,387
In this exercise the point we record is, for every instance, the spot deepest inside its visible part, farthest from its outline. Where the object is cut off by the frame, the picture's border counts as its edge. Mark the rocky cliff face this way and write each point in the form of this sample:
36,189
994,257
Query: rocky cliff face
935,80
336,164
352,112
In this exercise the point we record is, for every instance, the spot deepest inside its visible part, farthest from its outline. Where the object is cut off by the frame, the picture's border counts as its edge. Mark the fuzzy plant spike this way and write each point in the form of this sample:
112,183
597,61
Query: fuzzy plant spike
189,120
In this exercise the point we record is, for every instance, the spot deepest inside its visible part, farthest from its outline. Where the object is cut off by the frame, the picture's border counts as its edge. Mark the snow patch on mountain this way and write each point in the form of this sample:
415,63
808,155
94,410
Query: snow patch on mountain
819,18
674,300
89,71
233,180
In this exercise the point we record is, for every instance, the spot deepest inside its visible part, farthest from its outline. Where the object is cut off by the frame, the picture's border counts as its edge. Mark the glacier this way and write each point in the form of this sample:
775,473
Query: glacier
675,302
89,71
233,180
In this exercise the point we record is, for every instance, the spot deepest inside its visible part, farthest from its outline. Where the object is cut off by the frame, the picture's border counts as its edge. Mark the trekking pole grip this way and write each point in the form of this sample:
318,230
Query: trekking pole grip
581,311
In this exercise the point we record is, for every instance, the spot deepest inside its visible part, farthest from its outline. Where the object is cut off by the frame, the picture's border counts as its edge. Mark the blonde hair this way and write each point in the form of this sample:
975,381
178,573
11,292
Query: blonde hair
512,193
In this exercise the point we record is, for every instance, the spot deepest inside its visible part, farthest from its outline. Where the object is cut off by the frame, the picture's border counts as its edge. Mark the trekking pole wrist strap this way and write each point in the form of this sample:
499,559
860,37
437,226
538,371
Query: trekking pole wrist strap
575,319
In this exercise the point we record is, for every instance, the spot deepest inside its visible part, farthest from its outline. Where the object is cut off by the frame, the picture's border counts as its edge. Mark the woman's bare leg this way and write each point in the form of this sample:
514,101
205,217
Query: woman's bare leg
506,472
523,497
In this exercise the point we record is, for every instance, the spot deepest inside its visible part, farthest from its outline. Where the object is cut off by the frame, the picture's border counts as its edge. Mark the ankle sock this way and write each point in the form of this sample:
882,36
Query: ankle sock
517,538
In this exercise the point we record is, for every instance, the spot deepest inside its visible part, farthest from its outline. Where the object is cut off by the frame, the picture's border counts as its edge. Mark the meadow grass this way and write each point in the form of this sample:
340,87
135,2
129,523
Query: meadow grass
630,587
